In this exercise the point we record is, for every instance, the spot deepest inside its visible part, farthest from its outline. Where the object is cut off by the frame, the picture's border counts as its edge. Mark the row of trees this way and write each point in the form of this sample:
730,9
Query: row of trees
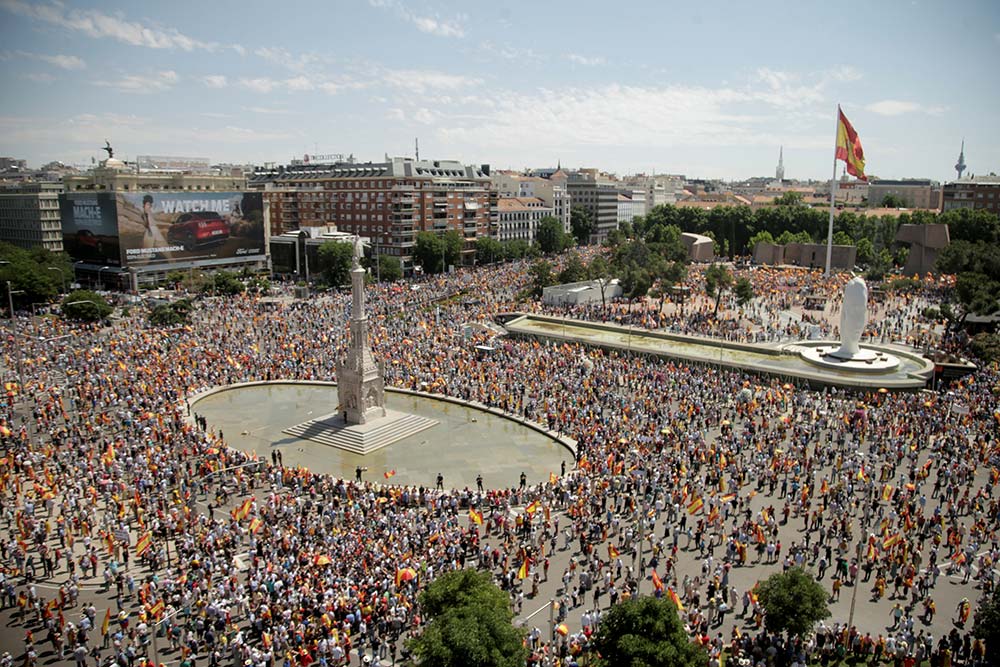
470,624
35,276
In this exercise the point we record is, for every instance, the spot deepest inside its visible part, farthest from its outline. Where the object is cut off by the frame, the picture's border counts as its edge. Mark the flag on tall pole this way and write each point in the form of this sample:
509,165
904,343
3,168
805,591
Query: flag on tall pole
847,148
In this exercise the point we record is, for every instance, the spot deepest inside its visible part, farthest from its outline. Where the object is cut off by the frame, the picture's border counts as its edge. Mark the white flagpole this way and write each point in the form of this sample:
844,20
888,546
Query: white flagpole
833,193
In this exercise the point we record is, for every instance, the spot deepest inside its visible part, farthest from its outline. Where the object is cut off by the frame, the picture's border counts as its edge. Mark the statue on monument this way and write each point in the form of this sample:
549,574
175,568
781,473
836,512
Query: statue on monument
853,318
109,149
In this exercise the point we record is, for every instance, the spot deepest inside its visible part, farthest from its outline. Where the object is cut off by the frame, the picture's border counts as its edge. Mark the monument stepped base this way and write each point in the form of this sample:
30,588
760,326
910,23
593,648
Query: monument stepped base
333,431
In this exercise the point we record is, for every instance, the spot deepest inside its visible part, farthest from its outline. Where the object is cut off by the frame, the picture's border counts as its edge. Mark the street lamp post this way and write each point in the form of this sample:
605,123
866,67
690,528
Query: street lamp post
13,331
100,285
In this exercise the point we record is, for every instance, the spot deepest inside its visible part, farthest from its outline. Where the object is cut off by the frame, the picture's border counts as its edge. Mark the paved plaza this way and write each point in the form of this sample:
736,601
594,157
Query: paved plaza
118,504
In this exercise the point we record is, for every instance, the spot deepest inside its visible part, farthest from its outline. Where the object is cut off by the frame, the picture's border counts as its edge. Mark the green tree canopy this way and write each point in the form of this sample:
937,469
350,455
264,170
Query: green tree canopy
541,276
36,276
388,268
470,624
645,632
335,259
582,224
550,235
171,314
573,270
224,283
717,280
743,291
488,250
892,201
793,602
85,306
789,198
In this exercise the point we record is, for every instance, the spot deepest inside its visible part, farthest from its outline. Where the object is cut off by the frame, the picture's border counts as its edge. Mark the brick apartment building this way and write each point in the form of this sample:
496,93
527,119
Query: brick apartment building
979,192
387,202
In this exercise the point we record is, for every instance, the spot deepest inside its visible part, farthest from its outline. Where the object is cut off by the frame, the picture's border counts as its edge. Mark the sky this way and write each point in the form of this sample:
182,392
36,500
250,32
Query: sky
708,89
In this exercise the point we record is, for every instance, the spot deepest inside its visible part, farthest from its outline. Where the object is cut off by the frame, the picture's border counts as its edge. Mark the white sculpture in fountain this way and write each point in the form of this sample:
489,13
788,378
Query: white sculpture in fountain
853,318
849,355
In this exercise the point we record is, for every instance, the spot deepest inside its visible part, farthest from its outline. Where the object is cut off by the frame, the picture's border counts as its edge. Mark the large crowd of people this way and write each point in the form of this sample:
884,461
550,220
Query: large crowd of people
690,482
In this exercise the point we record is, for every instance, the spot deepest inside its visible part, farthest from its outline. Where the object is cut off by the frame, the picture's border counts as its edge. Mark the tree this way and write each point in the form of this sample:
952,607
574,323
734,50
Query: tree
892,201
516,249
717,280
600,271
85,306
645,632
171,314
488,250
582,224
761,237
986,346
743,291
225,283
469,624
542,277
550,235
335,260
789,198
573,270
793,602
842,238
30,276
388,268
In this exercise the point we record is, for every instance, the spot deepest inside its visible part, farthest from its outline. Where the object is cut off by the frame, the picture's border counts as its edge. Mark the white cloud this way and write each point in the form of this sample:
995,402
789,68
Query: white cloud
898,107
259,85
299,83
59,60
99,25
437,27
585,60
39,77
215,81
269,111
425,116
431,25
143,83
420,81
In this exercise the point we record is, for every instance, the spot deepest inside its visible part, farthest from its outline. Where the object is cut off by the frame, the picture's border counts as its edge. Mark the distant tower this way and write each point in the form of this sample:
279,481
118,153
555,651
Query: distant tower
360,381
779,173
960,167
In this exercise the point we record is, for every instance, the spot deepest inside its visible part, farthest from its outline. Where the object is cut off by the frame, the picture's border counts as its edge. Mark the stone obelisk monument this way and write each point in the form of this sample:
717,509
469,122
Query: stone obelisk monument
359,377
361,423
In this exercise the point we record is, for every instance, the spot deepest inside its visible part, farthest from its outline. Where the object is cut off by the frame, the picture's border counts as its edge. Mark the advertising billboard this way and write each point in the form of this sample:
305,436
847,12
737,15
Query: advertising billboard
139,229
90,227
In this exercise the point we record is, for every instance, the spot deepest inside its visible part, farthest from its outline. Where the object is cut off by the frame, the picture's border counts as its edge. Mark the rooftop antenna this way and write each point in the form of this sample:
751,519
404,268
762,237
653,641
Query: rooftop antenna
416,148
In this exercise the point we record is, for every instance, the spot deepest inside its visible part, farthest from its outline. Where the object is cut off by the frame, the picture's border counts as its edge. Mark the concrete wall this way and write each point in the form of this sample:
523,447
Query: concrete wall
700,248
926,241
574,294
805,254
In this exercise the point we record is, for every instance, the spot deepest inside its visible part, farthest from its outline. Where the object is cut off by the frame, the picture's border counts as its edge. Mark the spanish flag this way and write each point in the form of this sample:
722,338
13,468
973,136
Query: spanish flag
156,609
255,524
675,599
143,544
890,540
887,492
612,552
849,147
522,572
695,506
872,554
244,509
475,517
657,582
553,478
106,623
533,507
389,473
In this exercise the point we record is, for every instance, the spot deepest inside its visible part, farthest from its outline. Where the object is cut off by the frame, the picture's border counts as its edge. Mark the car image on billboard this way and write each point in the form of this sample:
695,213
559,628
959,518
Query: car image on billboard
168,227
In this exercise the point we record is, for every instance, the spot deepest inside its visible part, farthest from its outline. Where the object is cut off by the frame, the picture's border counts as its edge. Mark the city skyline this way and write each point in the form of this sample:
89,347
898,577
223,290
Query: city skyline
709,92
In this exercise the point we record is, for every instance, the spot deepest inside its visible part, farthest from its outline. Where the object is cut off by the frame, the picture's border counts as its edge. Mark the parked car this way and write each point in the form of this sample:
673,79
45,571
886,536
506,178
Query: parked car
198,228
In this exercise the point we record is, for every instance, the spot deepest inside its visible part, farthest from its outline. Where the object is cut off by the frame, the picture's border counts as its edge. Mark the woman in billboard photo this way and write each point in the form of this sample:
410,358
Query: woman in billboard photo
152,237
